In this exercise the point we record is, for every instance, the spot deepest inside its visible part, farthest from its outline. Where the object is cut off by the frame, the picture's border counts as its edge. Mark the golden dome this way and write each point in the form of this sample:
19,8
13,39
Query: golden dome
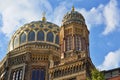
41,32
73,16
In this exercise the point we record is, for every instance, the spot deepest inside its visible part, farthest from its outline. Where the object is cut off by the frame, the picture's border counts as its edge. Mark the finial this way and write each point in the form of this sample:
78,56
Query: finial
43,18
73,9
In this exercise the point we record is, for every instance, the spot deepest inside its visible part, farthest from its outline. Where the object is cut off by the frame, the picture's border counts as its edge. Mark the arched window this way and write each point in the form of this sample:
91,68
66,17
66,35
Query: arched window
77,43
22,38
50,37
17,75
40,36
16,42
38,74
84,45
68,43
11,45
31,36
57,39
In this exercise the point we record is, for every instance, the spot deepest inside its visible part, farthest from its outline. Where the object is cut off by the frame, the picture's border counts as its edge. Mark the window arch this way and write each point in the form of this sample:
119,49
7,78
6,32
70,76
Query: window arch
68,43
31,36
77,42
50,37
40,36
16,42
22,38
57,39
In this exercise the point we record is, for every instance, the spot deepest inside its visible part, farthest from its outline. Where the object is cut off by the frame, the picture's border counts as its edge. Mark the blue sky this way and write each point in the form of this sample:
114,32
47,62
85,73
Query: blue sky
102,18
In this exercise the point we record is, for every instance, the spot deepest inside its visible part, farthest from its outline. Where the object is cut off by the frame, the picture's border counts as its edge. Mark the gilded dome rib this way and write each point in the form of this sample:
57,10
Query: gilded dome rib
31,30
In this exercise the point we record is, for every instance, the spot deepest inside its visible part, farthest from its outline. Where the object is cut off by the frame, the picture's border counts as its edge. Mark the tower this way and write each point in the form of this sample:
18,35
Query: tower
74,35
75,61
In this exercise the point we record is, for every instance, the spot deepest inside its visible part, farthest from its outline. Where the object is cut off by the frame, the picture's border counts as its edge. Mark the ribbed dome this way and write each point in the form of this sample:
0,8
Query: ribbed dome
73,16
37,31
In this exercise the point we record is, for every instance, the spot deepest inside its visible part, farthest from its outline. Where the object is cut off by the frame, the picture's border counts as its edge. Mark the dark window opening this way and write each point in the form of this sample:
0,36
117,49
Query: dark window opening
38,74
57,39
22,38
50,37
40,36
31,36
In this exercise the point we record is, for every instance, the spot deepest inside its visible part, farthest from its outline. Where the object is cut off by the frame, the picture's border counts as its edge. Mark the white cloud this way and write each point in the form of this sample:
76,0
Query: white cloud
20,12
58,17
94,16
23,11
108,14
112,16
60,11
112,60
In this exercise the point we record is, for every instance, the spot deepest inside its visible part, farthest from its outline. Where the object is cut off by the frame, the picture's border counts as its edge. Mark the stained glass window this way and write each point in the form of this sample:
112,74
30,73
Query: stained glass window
50,37
57,39
22,38
40,36
31,36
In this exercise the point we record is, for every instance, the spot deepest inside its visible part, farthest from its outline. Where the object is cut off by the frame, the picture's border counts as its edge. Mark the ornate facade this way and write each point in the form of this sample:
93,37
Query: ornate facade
41,50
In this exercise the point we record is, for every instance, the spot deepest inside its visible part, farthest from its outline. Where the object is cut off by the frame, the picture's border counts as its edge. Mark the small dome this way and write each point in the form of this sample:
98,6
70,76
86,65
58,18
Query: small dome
37,31
73,16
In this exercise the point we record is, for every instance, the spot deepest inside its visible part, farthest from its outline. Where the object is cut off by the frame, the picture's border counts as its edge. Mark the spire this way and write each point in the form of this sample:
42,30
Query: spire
43,18
73,9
